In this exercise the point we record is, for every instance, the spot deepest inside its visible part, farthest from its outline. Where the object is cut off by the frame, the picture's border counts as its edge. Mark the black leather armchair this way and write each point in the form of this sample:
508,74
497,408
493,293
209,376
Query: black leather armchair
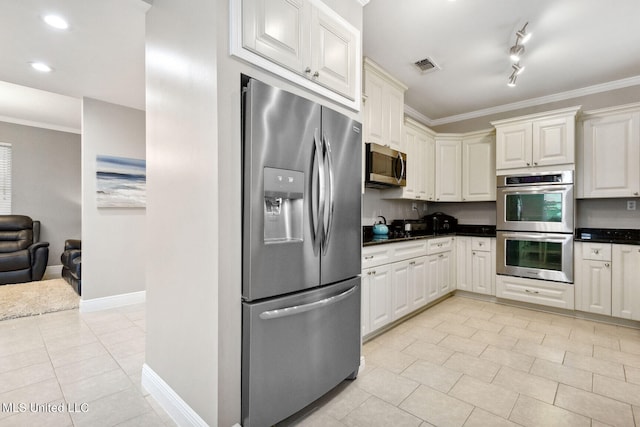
23,258
72,263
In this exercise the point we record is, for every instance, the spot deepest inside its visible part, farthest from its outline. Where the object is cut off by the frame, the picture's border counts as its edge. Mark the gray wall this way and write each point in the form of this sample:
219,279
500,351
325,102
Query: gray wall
114,239
46,181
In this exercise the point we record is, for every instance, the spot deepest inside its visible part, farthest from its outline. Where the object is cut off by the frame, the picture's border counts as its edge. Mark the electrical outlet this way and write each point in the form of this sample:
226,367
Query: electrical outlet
631,205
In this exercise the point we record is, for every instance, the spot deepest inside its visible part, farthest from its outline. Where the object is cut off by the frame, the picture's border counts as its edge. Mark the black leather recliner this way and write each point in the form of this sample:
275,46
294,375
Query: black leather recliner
72,263
23,258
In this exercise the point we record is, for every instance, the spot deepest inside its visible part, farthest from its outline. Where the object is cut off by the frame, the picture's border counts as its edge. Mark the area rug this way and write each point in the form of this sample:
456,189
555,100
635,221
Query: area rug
34,298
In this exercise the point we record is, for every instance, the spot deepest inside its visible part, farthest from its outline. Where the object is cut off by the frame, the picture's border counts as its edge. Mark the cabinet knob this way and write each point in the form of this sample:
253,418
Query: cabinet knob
373,272
316,74
528,164
635,194
535,163
369,257
531,292
607,265
412,263
596,251
307,70
473,253
440,256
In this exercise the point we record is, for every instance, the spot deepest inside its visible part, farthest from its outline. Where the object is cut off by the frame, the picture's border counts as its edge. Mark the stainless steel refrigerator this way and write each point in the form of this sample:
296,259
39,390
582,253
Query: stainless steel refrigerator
301,252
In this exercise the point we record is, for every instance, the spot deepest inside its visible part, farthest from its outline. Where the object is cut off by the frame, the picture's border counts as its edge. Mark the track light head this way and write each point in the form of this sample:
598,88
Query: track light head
512,79
517,68
516,52
522,36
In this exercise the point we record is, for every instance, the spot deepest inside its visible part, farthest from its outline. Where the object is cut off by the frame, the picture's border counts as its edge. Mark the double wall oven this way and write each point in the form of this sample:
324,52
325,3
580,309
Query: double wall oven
535,218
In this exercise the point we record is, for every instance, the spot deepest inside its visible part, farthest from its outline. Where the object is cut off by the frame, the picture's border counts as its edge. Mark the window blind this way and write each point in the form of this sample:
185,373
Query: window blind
5,178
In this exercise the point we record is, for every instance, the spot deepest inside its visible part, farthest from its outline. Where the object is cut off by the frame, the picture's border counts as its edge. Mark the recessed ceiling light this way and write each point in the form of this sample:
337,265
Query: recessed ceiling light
41,66
56,21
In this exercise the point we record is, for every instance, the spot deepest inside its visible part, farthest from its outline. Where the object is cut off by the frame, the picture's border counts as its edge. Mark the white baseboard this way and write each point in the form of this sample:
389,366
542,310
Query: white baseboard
114,301
169,400
52,272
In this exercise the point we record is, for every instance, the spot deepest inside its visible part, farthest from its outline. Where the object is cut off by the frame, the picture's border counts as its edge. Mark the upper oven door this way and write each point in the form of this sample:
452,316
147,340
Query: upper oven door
542,208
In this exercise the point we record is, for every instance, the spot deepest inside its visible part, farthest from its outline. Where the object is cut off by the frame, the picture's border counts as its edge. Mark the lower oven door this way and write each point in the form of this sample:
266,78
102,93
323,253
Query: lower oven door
544,256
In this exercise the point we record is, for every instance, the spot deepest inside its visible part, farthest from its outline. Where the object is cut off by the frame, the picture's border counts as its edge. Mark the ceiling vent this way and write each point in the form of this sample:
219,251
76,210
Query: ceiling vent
426,65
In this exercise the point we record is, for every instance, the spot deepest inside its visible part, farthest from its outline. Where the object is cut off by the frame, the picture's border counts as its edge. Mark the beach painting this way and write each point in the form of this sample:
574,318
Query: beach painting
121,182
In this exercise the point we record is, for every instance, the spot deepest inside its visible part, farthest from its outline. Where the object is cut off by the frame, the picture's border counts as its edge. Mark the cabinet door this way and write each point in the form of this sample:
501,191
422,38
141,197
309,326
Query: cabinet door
432,282
429,167
400,289
380,310
625,276
333,54
593,286
611,156
513,146
448,170
413,162
479,169
365,318
482,272
277,30
395,116
374,113
554,141
418,283
445,273
463,263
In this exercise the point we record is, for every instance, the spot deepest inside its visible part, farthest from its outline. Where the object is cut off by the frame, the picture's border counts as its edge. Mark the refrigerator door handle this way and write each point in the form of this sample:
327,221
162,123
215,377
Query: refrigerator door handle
317,215
297,309
329,225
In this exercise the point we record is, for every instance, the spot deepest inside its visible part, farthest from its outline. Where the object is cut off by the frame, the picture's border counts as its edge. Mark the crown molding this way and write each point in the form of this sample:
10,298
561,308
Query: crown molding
562,96
36,124
363,2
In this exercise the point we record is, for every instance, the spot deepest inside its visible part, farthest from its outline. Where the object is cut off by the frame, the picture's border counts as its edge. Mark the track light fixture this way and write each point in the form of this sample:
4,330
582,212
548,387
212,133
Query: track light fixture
515,53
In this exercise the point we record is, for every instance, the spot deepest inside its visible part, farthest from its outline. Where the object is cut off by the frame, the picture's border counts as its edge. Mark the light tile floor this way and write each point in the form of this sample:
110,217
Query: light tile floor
89,365
463,362
467,362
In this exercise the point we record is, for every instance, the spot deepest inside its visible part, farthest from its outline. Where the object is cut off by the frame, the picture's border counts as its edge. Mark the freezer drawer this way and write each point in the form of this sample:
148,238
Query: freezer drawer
297,348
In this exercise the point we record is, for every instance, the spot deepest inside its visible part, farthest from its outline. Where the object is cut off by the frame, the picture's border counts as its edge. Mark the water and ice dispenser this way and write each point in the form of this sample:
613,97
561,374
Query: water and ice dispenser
283,203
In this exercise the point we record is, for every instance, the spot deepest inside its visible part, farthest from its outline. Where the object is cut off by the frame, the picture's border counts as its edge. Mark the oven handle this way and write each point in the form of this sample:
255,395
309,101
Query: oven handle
537,236
534,189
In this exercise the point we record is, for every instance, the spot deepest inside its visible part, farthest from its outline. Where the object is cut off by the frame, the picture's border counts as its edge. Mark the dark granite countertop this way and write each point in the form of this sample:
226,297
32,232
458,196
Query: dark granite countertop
608,235
369,239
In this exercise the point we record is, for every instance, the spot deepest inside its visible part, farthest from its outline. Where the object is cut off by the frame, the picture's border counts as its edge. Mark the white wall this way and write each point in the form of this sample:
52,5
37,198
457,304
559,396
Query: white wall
113,239
182,200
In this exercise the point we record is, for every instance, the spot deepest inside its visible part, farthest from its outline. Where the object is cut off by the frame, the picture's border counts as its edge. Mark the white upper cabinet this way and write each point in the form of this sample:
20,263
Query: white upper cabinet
539,140
419,145
479,167
383,107
448,169
302,40
609,153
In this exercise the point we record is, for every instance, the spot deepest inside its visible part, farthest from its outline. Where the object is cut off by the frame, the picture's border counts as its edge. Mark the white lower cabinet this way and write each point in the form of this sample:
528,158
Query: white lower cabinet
476,261
607,279
553,294
376,298
406,279
592,277
625,281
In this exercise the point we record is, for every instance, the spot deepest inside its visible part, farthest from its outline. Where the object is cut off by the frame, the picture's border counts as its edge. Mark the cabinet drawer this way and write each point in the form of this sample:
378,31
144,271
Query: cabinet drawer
553,294
406,250
596,251
482,244
376,255
439,245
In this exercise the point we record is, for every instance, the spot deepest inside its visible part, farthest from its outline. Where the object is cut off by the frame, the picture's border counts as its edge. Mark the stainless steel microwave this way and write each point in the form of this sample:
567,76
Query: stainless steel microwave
385,167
